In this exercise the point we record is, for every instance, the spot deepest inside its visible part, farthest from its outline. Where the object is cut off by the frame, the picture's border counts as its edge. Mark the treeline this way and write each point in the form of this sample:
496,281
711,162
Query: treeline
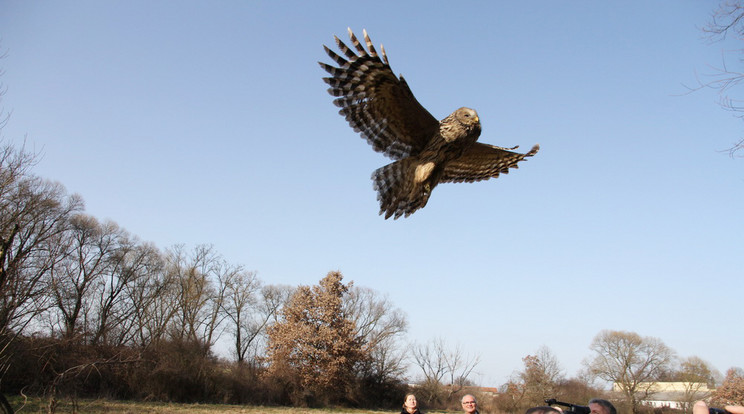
88,309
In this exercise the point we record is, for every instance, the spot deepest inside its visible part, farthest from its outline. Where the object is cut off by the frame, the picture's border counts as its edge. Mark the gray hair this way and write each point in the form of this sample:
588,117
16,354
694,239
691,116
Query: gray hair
604,403
468,395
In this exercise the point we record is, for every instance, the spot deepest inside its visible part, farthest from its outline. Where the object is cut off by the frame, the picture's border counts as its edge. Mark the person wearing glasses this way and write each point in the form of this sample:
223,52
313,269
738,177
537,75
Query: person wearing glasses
469,405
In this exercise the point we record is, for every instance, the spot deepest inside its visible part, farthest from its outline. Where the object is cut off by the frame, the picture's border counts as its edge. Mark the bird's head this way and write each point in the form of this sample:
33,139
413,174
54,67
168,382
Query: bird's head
470,122
467,117
461,125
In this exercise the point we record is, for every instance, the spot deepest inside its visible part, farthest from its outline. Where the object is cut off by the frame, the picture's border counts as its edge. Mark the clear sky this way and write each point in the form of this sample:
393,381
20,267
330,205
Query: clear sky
207,122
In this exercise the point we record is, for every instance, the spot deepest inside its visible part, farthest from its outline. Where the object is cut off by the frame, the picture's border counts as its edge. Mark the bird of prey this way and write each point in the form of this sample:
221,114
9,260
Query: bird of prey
381,107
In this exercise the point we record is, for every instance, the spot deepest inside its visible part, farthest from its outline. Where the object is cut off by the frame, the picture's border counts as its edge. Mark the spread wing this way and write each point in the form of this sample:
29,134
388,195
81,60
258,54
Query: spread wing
375,102
481,162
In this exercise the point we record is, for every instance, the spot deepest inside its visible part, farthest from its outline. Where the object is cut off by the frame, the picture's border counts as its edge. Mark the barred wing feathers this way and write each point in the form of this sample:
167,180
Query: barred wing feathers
483,161
376,103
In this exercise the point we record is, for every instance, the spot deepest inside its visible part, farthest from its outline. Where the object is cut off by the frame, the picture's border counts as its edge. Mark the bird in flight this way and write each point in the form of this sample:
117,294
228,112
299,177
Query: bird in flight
425,152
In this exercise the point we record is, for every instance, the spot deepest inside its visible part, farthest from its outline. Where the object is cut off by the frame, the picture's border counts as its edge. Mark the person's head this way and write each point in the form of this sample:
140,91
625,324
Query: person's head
544,409
600,406
469,405
410,404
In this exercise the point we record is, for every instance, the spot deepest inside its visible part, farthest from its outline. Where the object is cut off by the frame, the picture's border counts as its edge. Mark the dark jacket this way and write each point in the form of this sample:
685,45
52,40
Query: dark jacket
403,411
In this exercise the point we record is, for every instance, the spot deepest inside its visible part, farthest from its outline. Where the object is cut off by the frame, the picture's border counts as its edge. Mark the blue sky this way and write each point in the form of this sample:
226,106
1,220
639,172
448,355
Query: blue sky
203,122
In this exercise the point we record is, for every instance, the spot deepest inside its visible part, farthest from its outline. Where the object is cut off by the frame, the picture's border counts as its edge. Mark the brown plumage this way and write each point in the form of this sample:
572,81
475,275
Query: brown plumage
381,107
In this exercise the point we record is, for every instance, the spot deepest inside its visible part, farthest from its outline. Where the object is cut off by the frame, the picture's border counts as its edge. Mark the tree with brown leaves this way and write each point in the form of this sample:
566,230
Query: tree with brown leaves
731,391
313,347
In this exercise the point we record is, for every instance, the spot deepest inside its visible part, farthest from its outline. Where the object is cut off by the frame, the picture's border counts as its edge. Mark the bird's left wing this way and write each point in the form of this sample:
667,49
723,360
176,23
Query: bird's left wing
375,102
483,161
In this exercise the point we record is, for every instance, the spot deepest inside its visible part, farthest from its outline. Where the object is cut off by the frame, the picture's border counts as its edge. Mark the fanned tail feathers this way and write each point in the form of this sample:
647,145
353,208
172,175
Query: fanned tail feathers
397,191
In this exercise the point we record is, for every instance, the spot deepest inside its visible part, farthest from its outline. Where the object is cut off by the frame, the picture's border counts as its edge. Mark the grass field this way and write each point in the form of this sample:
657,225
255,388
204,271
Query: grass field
37,405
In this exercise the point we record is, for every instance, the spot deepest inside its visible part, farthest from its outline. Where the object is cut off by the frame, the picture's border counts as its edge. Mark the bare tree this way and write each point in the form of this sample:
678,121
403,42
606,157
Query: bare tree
154,301
630,361
541,376
445,370
241,290
696,376
511,396
431,358
273,298
459,367
4,116
33,212
727,19
88,248
200,293
131,265
269,301
379,325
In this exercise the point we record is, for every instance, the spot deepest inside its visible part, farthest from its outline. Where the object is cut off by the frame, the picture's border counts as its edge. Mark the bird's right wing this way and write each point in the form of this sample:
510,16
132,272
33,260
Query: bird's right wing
375,102
483,161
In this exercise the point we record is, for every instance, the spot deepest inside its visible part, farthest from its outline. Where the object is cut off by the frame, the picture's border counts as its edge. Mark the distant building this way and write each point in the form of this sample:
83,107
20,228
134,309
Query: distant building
487,391
672,394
